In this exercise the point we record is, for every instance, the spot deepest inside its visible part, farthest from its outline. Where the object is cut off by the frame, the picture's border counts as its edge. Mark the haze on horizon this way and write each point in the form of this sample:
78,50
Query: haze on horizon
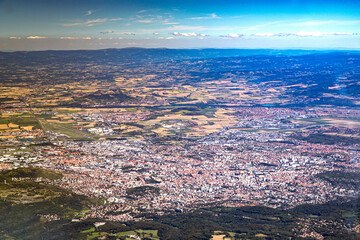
98,24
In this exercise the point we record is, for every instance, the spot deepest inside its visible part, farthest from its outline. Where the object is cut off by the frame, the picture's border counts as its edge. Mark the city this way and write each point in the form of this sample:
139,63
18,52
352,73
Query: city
144,147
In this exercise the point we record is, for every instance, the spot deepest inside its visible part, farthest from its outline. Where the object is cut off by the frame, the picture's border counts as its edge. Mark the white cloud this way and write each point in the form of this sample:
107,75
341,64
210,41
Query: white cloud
264,34
168,22
190,34
92,22
87,38
284,34
343,34
302,34
209,16
168,38
321,34
116,19
310,34
15,38
36,37
144,21
128,33
232,35
72,24
98,20
88,13
184,28
155,33
109,31
68,38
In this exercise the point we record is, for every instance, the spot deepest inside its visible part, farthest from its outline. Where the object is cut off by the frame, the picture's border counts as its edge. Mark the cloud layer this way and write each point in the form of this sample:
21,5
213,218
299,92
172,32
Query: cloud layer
92,22
298,34
209,16
189,34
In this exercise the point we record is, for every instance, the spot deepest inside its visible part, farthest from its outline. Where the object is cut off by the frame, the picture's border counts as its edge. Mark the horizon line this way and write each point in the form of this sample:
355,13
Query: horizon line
167,48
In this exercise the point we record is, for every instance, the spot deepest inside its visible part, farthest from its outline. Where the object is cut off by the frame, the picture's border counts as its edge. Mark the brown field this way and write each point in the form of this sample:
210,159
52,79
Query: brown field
4,127
28,128
343,122
128,128
343,135
218,237
12,125
260,235
60,121
6,115
13,130
202,128
7,136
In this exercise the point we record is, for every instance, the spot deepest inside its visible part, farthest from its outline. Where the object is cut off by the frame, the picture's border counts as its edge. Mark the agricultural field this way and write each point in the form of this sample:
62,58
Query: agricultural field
128,235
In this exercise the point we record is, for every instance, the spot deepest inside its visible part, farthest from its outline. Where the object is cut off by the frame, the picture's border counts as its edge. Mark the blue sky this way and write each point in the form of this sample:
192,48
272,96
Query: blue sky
93,24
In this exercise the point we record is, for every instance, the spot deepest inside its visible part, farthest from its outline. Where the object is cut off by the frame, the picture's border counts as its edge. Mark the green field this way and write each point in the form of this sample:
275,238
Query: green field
67,130
23,120
143,234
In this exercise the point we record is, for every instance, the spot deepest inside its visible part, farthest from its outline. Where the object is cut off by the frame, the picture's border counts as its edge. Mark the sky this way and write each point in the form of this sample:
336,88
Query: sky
99,24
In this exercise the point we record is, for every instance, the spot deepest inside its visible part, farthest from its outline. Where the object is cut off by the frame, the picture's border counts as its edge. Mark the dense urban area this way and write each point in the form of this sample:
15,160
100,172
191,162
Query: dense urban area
153,143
